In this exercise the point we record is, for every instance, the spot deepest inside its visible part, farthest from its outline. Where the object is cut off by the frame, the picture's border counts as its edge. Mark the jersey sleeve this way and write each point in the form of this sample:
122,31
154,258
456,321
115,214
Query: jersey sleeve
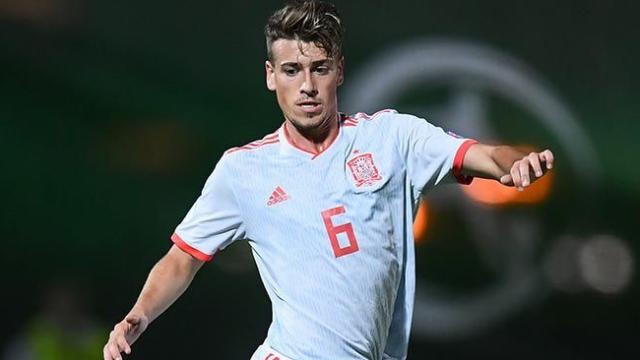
214,221
431,154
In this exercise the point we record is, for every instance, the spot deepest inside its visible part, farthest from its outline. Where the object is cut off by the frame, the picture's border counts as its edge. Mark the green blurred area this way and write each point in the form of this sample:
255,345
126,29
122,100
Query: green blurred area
112,117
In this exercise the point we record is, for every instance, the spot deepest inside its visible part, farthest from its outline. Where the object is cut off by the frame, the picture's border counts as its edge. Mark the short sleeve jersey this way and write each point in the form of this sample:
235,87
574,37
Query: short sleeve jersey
331,233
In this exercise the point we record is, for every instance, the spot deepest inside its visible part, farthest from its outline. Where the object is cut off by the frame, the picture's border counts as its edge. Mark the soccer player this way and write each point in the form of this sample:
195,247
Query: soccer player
326,203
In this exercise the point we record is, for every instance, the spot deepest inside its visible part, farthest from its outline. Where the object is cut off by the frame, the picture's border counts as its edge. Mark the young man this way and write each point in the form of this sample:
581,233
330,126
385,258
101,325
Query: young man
326,203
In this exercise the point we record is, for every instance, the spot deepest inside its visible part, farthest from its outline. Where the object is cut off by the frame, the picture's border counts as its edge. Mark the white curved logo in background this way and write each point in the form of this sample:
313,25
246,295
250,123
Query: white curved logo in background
508,243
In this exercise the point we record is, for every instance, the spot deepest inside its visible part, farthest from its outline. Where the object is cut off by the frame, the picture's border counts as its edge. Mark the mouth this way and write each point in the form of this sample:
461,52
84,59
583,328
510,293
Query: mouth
309,106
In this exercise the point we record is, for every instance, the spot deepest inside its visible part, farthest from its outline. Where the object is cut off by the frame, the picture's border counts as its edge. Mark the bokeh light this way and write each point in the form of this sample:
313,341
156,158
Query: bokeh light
421,223
606,264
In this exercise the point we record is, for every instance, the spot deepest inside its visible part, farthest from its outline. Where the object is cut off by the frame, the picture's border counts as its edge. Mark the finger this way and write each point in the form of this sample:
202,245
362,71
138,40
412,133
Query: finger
515,176
123,345
534,160
548,158
113,350
105,353
524,172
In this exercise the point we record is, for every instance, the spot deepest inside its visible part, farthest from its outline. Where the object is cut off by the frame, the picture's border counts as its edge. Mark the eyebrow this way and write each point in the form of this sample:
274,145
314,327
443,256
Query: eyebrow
315,63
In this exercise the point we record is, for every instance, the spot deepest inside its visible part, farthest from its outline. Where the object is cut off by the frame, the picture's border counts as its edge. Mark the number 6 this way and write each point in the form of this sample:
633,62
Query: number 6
334,230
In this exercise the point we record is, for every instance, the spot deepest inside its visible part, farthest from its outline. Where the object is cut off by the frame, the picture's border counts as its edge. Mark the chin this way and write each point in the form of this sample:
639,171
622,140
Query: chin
307,123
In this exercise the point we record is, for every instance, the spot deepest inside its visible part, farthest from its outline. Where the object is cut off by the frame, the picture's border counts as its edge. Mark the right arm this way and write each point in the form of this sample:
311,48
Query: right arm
168,279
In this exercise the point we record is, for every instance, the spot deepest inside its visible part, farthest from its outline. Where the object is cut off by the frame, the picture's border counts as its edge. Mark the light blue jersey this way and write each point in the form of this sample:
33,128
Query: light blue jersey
331,233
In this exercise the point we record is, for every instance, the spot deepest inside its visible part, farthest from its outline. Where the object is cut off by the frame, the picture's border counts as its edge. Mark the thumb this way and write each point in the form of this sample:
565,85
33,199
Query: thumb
133,319
506,180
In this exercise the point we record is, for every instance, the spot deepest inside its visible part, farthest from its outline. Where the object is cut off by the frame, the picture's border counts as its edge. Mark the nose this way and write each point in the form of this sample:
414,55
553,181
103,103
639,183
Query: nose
308,87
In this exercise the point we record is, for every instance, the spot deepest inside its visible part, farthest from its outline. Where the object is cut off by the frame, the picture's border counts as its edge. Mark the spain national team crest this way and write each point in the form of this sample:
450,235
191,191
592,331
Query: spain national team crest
364,171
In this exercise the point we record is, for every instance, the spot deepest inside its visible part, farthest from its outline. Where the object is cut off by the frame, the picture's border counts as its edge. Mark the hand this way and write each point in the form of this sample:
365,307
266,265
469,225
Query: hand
124,334
537,163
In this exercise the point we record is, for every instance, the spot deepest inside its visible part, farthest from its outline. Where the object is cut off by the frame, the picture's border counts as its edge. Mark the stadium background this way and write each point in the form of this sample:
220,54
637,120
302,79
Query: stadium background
113,113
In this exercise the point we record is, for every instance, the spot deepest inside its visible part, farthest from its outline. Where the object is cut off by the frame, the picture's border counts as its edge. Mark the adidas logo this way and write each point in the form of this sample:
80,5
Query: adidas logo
277,196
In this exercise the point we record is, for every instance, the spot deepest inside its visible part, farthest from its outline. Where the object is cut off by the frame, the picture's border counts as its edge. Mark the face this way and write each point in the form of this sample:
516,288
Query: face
306,81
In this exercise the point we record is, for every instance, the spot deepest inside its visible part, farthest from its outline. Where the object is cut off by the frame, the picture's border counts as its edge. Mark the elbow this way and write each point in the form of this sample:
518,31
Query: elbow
180,264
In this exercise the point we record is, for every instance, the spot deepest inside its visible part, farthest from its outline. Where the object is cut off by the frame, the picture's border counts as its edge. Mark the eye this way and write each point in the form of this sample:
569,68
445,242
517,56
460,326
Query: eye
322,70
290,71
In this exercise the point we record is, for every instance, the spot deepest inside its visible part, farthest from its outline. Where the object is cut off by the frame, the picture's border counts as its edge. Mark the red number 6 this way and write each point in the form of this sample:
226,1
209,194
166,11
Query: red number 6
334,230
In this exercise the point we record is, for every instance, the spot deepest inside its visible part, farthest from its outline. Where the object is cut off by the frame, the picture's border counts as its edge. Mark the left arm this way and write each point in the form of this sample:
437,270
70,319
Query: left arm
506,164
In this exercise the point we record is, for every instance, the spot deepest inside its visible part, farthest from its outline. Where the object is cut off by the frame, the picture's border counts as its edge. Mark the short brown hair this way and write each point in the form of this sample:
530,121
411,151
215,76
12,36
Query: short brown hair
310,21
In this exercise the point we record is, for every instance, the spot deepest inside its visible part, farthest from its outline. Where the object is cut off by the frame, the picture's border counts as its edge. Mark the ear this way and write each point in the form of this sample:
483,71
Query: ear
341,71
270,72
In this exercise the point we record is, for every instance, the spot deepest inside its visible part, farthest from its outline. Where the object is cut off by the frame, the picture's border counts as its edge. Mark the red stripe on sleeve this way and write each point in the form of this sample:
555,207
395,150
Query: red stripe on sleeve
189,249
458,162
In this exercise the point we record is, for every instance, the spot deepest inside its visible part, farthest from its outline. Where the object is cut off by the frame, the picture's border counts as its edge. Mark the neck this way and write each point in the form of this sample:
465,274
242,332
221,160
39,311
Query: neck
314,140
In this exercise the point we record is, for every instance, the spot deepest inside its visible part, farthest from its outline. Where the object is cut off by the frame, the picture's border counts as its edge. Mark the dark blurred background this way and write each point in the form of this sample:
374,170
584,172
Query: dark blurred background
113,113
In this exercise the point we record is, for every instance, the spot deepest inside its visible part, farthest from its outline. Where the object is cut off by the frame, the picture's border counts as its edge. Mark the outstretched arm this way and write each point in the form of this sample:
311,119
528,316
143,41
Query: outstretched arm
168,279
506,164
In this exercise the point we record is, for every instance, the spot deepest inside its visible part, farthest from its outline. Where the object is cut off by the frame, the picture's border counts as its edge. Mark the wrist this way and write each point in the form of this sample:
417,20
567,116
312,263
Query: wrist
138,312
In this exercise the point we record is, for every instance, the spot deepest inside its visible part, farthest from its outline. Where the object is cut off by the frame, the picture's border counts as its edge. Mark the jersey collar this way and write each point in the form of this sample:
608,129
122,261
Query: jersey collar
287,147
